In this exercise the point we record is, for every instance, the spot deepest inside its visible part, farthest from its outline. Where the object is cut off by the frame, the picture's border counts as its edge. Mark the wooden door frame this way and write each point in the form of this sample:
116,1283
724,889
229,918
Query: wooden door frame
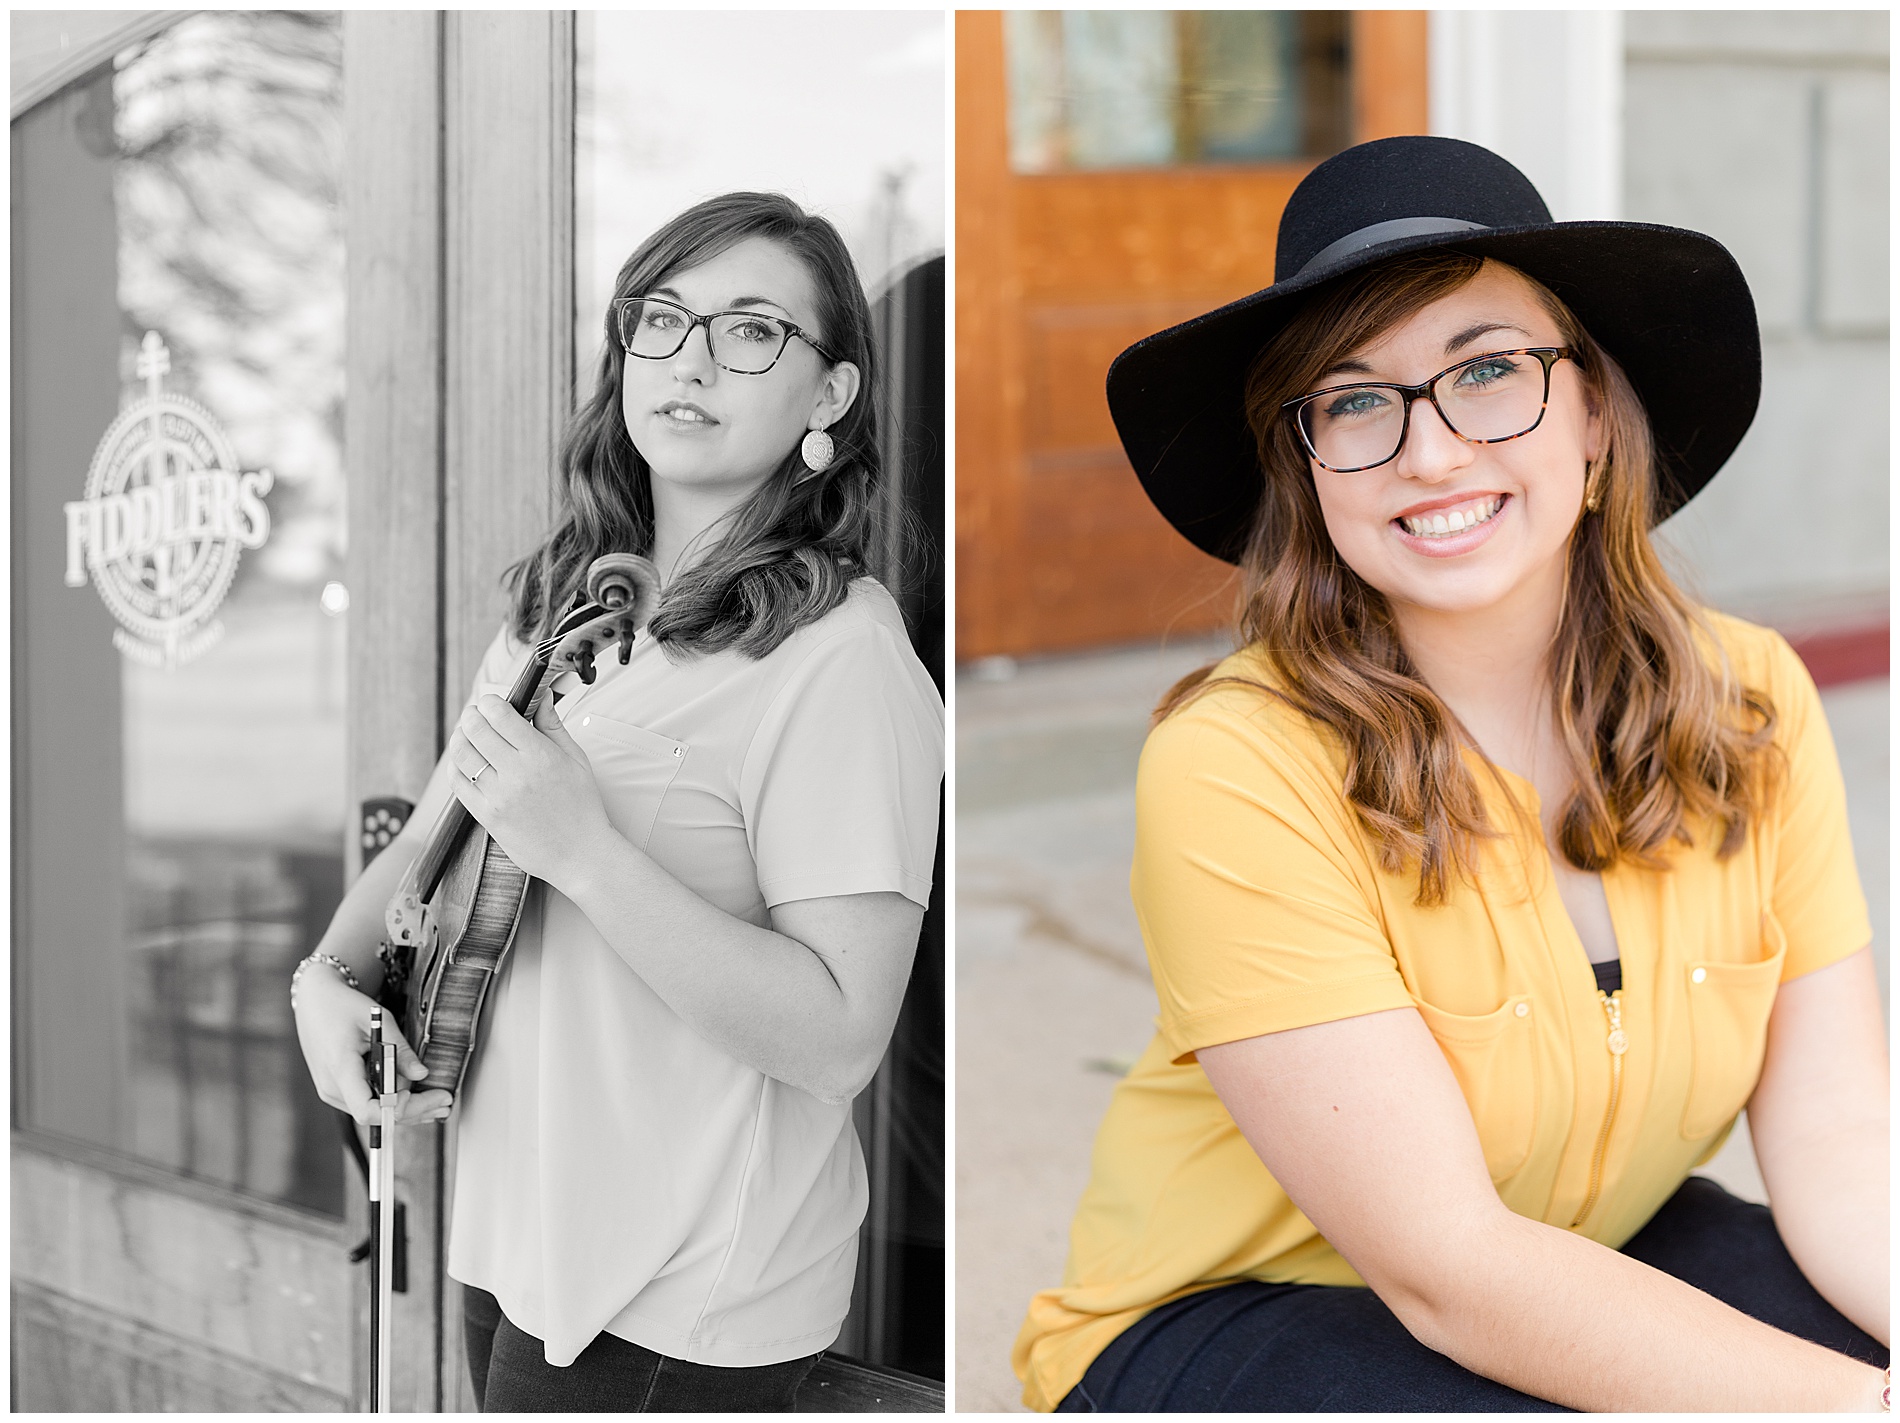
461,131
393,415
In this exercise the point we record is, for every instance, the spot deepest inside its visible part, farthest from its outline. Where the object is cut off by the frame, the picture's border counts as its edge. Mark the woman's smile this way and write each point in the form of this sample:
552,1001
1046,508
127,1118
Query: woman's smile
1446,528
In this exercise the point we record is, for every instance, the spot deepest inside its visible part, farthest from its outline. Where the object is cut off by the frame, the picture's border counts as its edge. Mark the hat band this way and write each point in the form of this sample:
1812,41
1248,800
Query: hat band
1382,232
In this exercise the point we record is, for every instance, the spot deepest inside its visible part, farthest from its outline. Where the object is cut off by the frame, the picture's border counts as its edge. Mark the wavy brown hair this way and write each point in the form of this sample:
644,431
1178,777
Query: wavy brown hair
1662,740
788,554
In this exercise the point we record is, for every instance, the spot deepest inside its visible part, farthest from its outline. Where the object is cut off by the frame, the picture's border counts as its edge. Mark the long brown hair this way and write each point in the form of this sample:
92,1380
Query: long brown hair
790,551
1659,735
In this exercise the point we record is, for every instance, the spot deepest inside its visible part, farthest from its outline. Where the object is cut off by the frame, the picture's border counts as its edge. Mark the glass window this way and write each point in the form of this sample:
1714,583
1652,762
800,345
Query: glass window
1147,88
218,817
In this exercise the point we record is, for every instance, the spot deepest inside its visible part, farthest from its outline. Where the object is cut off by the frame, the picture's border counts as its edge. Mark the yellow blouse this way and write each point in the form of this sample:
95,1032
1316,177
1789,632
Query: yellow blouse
1263,908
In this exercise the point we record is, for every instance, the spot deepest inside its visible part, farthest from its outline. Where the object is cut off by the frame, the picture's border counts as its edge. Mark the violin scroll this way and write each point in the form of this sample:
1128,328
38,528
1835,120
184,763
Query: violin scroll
621,591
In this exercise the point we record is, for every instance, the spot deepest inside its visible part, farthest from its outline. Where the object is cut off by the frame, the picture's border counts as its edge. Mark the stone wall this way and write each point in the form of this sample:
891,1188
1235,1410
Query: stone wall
1769,130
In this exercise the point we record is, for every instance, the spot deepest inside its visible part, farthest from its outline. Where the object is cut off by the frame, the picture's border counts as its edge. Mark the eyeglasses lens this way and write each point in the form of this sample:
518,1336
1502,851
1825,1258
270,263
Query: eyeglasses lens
1494,397
743,342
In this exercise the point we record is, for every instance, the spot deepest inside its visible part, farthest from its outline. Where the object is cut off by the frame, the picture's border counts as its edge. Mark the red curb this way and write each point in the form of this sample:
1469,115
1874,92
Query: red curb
1844,655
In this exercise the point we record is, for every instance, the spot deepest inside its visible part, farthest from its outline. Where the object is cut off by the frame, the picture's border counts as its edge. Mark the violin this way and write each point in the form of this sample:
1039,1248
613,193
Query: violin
451,922
453,918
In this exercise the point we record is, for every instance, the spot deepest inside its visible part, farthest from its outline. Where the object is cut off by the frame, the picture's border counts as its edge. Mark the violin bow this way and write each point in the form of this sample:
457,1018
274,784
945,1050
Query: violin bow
382,1205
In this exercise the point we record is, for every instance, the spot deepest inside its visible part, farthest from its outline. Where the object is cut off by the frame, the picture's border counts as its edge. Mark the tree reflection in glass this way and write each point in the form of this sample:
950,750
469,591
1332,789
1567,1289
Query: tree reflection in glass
228,185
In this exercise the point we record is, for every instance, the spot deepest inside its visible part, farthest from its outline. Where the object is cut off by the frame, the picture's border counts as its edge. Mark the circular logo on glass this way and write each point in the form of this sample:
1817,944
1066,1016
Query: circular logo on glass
165,516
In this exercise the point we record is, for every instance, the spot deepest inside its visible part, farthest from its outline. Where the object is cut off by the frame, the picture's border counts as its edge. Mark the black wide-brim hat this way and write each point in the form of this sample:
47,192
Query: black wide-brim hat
1669,305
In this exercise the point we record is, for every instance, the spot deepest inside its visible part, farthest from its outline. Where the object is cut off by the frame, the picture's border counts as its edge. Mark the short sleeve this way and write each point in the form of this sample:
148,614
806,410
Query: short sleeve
1252,884
1815,895
840,784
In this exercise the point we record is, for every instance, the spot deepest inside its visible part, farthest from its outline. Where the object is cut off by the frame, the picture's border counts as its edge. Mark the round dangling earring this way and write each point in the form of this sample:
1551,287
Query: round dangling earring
817,451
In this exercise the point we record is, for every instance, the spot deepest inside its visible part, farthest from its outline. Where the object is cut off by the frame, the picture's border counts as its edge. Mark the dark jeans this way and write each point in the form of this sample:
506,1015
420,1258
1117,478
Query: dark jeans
512,1375
1327,1349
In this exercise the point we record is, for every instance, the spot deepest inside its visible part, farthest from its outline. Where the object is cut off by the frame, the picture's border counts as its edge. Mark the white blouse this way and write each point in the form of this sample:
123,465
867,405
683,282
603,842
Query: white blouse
614,1171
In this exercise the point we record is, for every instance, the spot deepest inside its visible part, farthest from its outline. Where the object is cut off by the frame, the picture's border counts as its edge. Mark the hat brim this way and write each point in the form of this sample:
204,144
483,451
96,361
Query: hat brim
1669,305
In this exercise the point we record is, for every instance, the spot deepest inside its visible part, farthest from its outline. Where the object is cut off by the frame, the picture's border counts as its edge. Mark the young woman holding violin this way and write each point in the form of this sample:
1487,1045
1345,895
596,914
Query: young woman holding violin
657,1186
1491,878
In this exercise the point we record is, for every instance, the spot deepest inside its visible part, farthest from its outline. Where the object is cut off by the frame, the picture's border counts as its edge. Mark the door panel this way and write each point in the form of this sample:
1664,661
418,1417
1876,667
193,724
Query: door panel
393,107
177,1190
65,389
137,1287
1058,273
137,1295
509,170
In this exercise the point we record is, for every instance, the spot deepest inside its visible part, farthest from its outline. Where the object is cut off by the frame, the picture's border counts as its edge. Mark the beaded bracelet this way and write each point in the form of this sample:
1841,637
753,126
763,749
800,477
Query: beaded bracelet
320,957
1886,1394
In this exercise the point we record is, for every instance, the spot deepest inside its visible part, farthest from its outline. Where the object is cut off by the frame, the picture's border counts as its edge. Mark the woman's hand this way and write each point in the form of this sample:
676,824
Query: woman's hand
529,785
333,1023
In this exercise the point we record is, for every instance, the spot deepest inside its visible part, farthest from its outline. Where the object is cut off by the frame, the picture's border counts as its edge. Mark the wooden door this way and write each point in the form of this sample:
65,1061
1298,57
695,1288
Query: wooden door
142,1288
176,1193
461,375
1057,547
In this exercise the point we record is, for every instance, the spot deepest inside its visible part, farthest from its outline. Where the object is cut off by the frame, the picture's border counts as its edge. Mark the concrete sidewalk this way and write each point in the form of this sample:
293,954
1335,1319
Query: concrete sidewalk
1053,995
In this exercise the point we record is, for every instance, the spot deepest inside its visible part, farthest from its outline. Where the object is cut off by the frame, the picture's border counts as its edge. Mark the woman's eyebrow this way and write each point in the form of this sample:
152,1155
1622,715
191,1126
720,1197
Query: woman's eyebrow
1348,367
1482,328
738,301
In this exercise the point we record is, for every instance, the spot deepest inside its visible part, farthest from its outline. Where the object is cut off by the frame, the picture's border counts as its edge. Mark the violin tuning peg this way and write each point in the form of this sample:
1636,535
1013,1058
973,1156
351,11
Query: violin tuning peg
626,640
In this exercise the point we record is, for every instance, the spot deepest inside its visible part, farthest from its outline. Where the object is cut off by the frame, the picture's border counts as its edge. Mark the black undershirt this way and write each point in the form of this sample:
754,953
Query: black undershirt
1609,974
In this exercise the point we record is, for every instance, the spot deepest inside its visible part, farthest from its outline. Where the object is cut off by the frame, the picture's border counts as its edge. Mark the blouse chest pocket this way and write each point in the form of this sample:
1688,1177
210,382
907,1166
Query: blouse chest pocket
1729,1004
1494,1058
633,767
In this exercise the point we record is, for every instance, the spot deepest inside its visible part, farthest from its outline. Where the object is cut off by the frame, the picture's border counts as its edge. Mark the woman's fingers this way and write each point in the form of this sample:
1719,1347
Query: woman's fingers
407,1063
493,723
465,756
479,732
430,1106
351,1083
548,722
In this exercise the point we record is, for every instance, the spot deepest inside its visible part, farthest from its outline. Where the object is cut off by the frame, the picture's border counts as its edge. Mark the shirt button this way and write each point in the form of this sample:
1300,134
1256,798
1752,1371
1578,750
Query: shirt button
1699,975
1523,1010
585,720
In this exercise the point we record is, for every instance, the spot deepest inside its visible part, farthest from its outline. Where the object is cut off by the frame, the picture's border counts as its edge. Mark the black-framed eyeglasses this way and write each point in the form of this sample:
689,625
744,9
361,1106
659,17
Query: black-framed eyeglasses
1484,400
747,343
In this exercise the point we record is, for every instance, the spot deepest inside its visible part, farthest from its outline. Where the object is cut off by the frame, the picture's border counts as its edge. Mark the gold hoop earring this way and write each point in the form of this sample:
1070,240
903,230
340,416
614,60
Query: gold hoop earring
1592,491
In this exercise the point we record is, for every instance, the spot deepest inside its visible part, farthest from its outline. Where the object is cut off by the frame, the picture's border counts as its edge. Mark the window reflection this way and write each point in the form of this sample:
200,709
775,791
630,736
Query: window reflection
229,139
1143,88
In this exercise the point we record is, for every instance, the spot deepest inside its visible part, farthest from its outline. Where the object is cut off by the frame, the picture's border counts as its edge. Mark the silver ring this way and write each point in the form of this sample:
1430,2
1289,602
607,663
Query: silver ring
486,766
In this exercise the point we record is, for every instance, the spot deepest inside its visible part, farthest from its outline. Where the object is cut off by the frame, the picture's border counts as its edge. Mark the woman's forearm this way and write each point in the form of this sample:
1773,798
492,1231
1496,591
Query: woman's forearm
356,929
1830,1205
1563,1318
763,997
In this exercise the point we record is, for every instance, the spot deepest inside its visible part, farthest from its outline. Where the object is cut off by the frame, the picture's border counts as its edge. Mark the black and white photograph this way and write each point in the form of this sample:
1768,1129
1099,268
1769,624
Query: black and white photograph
478,648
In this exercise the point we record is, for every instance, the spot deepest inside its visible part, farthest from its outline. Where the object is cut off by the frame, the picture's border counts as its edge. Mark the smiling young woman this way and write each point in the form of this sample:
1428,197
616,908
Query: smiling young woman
657,1183
1491,877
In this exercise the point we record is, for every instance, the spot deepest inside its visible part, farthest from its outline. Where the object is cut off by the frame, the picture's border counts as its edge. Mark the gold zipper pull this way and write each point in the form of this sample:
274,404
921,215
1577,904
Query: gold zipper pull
1619,1044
